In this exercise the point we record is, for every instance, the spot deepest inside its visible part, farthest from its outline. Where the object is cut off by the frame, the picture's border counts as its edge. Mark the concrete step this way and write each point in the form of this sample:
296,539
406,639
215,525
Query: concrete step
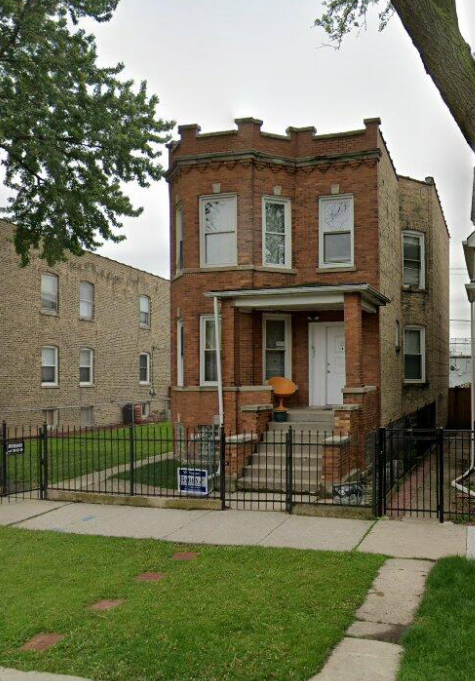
302,426
278,485
258,470
298,451
317,415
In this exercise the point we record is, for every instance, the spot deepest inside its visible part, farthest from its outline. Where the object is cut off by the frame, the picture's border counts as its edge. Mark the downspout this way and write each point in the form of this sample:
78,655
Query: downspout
218,361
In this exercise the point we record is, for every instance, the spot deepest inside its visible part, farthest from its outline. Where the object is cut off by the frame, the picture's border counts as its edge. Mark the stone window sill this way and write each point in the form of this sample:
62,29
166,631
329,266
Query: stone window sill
329,270
50,313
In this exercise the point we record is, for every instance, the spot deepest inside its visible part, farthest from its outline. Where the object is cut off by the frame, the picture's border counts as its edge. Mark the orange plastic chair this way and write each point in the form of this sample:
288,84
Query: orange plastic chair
283,388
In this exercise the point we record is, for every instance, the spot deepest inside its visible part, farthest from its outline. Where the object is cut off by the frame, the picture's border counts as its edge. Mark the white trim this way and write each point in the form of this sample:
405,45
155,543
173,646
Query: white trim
216,197
422,330
203,320
287,233
321,233
144,325
87,366
287,318
370,293
422,240
180,358
55,278
55,383
318,361
147,355
86,300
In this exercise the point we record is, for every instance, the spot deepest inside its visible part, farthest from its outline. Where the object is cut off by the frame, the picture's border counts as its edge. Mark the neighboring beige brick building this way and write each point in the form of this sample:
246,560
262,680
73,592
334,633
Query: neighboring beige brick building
80,339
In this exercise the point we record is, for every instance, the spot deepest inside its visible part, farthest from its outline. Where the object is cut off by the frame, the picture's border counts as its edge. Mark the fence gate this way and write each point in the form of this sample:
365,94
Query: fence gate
23,457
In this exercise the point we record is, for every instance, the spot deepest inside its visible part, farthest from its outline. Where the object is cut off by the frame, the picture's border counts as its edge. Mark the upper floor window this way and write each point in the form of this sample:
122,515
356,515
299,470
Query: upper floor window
218,221
413,259
414,354
49,365
276,232
179,238
145,311
208,360
144,368
180,338
86,361
86,300
49,292
336,231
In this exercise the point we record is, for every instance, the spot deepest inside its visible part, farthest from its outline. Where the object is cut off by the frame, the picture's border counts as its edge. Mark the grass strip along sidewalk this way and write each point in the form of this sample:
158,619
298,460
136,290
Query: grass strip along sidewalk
229,614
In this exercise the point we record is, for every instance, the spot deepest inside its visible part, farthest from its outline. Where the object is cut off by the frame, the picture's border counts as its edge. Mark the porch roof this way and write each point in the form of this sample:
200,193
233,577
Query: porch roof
307,297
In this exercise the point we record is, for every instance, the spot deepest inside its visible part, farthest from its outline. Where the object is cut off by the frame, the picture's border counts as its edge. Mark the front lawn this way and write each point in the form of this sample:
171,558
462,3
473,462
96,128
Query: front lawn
440,646
231,614
157,474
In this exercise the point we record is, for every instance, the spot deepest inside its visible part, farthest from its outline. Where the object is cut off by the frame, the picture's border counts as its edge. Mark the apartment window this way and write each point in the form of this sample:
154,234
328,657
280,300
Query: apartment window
180,337
144,368
277,346
49,365
86,362
51,418
179,238
146,409
413,259
336,231
414,354
145,311
276,232
49,293
208,363
87,416
218,221
86,300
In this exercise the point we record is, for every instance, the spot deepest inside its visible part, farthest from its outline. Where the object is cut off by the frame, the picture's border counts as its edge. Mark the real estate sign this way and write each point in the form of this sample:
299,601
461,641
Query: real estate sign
193,481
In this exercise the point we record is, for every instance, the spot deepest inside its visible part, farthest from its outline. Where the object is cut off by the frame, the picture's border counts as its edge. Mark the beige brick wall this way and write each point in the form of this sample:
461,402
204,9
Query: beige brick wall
115,336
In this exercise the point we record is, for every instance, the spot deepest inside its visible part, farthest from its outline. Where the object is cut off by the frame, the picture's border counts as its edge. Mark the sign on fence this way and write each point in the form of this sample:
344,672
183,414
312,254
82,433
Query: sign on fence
193,481
15,447
351,493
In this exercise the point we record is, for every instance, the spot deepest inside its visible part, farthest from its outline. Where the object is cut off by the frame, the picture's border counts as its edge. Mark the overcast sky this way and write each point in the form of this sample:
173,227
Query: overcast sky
210,62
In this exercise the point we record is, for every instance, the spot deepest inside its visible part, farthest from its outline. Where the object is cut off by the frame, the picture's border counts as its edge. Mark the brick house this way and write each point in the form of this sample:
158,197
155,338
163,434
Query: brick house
329,268
80,339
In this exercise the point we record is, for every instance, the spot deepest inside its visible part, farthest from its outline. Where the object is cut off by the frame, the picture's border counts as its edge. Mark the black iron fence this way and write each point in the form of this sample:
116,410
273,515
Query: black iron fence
394,472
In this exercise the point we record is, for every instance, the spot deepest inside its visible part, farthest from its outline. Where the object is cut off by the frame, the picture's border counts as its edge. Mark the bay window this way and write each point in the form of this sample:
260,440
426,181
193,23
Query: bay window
218,224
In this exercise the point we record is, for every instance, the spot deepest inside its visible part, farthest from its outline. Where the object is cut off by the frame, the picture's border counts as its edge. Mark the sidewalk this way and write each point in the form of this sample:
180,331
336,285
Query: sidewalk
407,538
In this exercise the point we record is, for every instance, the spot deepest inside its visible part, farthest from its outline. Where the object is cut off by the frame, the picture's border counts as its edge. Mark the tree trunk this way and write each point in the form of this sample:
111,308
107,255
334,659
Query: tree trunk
434,30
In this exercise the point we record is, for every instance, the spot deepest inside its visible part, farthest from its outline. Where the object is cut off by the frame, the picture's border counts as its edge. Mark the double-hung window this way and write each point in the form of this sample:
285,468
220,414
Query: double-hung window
277,350
86,300
49,366
180,338
144,368
87,416
413,259
414,354
276,232
336,231
218,224
145,312
49,292
208,359
86,366
179,238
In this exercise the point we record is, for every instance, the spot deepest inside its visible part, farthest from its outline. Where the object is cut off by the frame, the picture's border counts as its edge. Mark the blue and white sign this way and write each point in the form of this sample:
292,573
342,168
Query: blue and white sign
193,481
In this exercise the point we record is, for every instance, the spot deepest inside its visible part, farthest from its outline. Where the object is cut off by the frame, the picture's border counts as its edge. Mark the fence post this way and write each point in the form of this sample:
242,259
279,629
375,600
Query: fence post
440,482
222,467
289,483
381,471
4,459
44,461
132,452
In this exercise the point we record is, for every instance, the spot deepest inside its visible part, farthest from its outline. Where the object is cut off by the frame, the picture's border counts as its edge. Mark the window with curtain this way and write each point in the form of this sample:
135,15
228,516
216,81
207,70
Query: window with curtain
218,218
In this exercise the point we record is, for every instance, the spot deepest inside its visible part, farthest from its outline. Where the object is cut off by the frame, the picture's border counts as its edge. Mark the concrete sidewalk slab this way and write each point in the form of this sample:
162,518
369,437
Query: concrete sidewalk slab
361,660
16,675
471,542
17,511
239,528
306,532
411,538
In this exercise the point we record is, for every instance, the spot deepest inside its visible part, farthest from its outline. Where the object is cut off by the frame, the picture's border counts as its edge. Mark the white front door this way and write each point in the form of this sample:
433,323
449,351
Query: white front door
327,374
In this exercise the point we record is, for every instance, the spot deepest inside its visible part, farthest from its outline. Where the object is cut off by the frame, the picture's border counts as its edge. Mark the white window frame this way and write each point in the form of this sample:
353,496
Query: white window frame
287,318
91,423
421,236
55,412
217,197
55,278
288,231
180,358
86,300
145,325
147,355
179,238
416,381
87,366
146,409
55,383
321,233
203,321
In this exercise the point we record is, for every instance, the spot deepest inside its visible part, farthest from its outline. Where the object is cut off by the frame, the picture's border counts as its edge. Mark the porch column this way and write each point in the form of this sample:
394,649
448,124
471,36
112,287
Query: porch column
353,340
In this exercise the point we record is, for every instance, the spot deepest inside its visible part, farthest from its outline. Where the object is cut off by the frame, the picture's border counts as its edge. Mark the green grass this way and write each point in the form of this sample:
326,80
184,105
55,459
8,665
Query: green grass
86,451
440,646
233,614
157,474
